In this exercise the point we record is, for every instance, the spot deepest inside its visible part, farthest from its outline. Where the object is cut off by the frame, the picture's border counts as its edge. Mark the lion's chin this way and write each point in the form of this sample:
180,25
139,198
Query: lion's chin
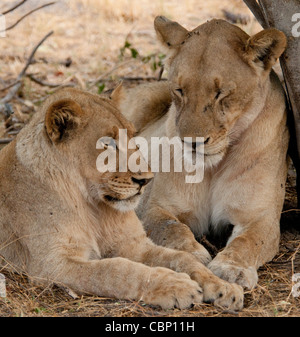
123,205
212,160
206,160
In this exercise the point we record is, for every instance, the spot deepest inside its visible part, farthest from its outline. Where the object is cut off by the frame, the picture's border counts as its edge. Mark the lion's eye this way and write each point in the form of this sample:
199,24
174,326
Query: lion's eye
218,94
179,91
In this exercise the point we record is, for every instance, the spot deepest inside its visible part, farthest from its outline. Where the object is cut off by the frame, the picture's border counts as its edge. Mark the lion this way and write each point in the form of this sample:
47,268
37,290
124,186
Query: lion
220,87
63,221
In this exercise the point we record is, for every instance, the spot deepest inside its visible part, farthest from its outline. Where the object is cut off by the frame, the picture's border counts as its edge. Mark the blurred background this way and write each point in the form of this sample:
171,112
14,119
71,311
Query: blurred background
95,44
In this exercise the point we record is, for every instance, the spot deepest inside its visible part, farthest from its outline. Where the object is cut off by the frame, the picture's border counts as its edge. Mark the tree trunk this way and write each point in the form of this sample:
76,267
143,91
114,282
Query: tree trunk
280,14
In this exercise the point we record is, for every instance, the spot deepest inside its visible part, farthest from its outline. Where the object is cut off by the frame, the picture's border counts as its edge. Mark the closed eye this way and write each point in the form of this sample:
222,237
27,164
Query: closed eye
218,94
180,91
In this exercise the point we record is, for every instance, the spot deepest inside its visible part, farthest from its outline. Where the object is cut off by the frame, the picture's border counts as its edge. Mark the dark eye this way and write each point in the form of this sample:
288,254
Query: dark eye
179,91
218,94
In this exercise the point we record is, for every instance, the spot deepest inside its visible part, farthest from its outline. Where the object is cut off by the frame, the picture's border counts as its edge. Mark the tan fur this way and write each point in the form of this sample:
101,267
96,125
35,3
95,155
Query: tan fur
63,221
222,88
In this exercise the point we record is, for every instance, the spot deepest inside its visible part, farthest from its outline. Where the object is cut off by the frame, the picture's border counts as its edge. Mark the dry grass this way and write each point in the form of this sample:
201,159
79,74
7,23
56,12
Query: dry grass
271,298
91,33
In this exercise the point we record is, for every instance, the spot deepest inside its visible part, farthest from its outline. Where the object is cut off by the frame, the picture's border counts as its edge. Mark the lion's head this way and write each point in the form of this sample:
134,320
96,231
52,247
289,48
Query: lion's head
218,79
79,126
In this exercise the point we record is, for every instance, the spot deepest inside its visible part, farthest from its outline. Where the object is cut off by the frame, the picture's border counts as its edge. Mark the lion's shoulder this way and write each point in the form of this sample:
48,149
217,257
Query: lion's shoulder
146,103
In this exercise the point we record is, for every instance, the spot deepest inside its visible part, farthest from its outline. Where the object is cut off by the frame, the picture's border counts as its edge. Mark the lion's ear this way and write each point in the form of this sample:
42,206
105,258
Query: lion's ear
118,94
170,33
264,48
61,118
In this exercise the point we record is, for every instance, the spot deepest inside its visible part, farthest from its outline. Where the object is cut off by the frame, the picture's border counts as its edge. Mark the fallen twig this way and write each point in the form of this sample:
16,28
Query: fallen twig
13,8
101,77
139,78
29,61
209,245
50,85
127,78
161,71
9,96
291,210
27,14
9,86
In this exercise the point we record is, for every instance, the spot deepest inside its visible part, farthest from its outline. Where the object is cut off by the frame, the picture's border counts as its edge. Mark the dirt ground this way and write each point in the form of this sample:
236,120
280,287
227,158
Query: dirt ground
95,44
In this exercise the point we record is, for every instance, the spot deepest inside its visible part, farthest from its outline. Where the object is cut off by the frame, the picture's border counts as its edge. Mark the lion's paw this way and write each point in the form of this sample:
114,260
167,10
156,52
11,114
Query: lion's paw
173,290
246,277
202,255
224,294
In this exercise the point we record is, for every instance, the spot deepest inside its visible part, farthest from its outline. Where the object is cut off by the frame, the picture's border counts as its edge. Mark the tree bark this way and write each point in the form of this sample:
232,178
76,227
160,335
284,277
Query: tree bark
279,14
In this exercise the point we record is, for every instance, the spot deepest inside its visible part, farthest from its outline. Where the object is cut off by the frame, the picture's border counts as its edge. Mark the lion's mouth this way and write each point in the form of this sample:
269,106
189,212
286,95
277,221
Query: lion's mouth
109,198
201,150
122,204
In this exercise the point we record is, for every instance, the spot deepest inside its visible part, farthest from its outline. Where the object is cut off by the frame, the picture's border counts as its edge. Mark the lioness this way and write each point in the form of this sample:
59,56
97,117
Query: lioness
220,87
63,221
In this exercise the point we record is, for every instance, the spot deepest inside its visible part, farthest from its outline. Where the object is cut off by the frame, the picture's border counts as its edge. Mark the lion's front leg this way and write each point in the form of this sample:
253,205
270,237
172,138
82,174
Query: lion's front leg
124,279
166,230
215,290
247,249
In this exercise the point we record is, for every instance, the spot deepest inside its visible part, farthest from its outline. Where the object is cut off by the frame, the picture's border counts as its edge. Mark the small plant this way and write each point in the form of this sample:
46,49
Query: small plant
127,46
101,87
40,310
155,59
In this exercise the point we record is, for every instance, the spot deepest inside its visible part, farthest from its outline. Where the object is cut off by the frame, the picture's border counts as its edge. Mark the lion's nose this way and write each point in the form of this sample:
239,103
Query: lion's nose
141,182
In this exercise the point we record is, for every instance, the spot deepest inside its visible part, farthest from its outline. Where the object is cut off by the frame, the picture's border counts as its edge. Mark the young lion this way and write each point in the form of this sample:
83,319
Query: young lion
63,221
220,87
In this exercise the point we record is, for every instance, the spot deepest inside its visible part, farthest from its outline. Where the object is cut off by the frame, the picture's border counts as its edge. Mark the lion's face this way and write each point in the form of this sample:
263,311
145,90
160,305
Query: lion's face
82,127
217,76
